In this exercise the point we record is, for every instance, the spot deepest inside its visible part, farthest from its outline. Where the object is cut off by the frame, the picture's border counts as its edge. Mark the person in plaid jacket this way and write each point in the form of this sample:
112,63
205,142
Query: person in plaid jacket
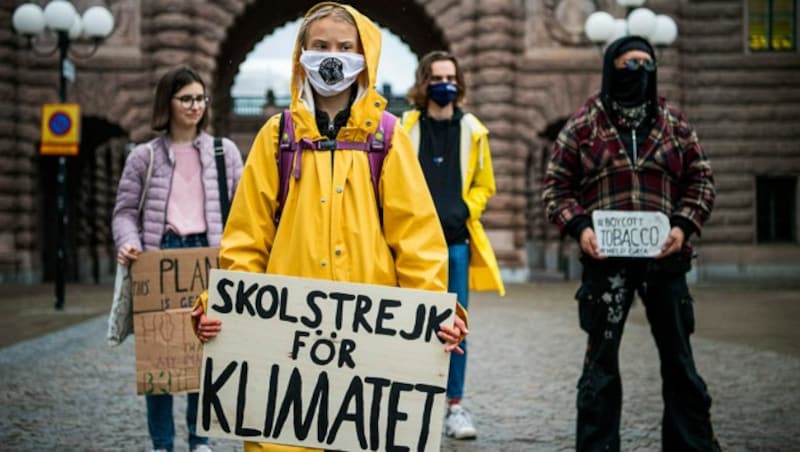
627,149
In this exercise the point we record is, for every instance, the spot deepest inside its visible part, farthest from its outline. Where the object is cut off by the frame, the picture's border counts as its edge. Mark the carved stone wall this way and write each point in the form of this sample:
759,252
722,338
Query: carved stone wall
528,68
746,108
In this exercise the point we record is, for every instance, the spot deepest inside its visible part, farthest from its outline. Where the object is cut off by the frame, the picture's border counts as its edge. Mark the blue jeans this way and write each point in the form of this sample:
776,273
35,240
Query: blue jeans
458,265
159,406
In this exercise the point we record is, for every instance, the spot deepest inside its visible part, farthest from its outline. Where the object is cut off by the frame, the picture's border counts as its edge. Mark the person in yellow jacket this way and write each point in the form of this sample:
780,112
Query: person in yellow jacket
453,150
330,226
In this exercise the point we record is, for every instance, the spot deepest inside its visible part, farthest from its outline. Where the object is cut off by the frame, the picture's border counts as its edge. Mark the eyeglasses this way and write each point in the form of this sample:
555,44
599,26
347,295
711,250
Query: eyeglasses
635,63
188,101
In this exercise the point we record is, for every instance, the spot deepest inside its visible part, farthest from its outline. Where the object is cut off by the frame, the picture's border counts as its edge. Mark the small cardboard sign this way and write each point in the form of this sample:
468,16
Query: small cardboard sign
164,287
171,278
623,233
324,364
168,354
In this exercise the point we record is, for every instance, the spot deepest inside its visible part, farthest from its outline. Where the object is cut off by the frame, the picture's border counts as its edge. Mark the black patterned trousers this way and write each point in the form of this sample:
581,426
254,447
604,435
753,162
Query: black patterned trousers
604,298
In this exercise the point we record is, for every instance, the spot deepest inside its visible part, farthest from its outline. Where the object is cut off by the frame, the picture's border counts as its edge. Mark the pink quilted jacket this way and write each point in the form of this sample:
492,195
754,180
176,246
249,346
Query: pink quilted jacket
125,223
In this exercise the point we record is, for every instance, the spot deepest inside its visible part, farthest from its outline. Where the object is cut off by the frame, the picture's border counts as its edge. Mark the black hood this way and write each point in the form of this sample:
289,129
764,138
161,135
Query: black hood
616,49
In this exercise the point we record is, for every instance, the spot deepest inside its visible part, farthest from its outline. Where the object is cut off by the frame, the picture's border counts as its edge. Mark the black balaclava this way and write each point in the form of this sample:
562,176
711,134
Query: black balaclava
630,96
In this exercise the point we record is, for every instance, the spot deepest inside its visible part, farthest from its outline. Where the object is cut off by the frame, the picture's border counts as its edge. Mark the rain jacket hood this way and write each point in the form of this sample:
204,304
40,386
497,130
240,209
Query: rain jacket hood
365,113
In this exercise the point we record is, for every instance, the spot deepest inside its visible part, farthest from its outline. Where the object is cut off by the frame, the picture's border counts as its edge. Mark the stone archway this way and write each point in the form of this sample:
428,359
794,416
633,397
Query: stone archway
215,36
415,26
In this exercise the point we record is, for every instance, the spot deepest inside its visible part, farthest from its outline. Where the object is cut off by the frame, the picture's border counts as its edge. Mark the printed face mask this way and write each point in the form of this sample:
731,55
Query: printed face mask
443,93
330,73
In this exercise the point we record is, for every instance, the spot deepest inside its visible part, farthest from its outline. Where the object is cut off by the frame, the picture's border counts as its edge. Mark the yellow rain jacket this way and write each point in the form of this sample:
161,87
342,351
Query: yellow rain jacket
477,187
329,227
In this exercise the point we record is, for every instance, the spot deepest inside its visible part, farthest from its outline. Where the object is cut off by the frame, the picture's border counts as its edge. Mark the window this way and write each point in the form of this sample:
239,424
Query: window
772,25
776,205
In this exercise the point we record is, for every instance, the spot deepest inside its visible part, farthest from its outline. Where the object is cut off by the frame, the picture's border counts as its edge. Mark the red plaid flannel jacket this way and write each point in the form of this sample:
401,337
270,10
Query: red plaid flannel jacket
589,169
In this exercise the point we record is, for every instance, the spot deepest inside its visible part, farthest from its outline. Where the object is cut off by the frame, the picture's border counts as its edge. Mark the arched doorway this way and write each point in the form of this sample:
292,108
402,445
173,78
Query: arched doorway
414,26
547,256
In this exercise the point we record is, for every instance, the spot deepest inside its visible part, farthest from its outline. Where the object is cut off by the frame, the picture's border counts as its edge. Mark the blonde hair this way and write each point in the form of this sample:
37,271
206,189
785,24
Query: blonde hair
335,11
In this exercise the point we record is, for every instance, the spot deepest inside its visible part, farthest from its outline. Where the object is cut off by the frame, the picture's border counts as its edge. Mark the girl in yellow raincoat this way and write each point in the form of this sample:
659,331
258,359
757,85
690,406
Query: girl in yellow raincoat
330,226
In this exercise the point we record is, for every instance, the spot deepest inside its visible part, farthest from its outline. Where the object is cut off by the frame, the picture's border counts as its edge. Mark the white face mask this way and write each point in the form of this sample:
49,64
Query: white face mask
330,73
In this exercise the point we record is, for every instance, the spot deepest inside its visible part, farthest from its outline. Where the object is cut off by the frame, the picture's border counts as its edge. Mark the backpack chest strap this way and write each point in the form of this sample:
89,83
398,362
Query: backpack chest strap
335,145
376,146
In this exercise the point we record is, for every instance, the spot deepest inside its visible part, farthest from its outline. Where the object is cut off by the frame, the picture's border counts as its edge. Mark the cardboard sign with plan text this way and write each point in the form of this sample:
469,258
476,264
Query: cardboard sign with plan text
171,278
164,287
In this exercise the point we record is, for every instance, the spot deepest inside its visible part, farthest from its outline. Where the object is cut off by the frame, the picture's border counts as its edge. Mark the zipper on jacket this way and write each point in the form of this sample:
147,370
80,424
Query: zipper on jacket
333,151
635,149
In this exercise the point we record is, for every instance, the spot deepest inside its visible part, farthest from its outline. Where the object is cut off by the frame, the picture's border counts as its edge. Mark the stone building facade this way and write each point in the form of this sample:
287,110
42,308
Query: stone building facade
528,68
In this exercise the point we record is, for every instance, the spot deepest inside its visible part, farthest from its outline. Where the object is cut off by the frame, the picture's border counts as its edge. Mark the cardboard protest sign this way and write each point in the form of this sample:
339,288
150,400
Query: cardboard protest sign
324,364
171,278
164,287
630,233
168,354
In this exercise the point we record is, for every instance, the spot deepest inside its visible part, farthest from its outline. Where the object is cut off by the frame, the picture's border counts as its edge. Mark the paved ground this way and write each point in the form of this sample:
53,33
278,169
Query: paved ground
68,390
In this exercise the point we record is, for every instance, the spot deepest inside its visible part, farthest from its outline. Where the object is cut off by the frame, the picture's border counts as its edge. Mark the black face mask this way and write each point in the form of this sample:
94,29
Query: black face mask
629,87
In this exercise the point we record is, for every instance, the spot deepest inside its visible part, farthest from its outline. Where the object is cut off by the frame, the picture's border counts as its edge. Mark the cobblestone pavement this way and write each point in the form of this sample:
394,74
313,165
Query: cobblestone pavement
69,391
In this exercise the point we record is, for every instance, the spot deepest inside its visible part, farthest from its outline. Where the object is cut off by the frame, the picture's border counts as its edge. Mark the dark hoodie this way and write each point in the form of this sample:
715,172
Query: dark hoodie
624,91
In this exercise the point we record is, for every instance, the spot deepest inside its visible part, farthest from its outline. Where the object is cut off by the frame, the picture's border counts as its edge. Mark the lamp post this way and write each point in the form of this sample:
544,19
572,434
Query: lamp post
61,18
601,27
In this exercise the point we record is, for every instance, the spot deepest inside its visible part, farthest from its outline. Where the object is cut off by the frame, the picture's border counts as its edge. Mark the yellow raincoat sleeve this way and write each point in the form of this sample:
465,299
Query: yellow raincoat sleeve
250,229
410,224
482,187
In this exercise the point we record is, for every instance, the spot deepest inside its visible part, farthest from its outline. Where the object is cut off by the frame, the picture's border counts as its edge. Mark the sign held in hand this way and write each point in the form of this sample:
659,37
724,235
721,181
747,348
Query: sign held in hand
164,286
622,233
324,364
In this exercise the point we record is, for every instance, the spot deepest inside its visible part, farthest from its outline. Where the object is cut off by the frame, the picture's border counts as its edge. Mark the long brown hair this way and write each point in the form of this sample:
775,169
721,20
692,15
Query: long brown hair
169,84
418,94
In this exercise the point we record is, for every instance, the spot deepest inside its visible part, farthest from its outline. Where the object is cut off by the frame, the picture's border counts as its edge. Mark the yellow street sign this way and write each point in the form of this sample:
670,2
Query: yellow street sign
61,129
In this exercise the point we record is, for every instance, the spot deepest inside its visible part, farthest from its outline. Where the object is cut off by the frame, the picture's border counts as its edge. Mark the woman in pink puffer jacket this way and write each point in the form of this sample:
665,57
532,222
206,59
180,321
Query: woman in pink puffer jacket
181,207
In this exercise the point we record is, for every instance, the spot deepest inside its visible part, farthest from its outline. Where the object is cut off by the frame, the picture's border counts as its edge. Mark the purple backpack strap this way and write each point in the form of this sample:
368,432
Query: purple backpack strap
379,147
287,148
290,151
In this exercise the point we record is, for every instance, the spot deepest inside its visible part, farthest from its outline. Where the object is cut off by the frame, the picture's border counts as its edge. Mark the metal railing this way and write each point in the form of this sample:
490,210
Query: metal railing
256,105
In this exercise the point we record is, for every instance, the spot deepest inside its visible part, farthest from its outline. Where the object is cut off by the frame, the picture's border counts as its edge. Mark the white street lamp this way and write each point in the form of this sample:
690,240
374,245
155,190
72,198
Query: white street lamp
599,26
76,30
60,17
620,29
97,22
641,22
661,30
665,32
28,19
